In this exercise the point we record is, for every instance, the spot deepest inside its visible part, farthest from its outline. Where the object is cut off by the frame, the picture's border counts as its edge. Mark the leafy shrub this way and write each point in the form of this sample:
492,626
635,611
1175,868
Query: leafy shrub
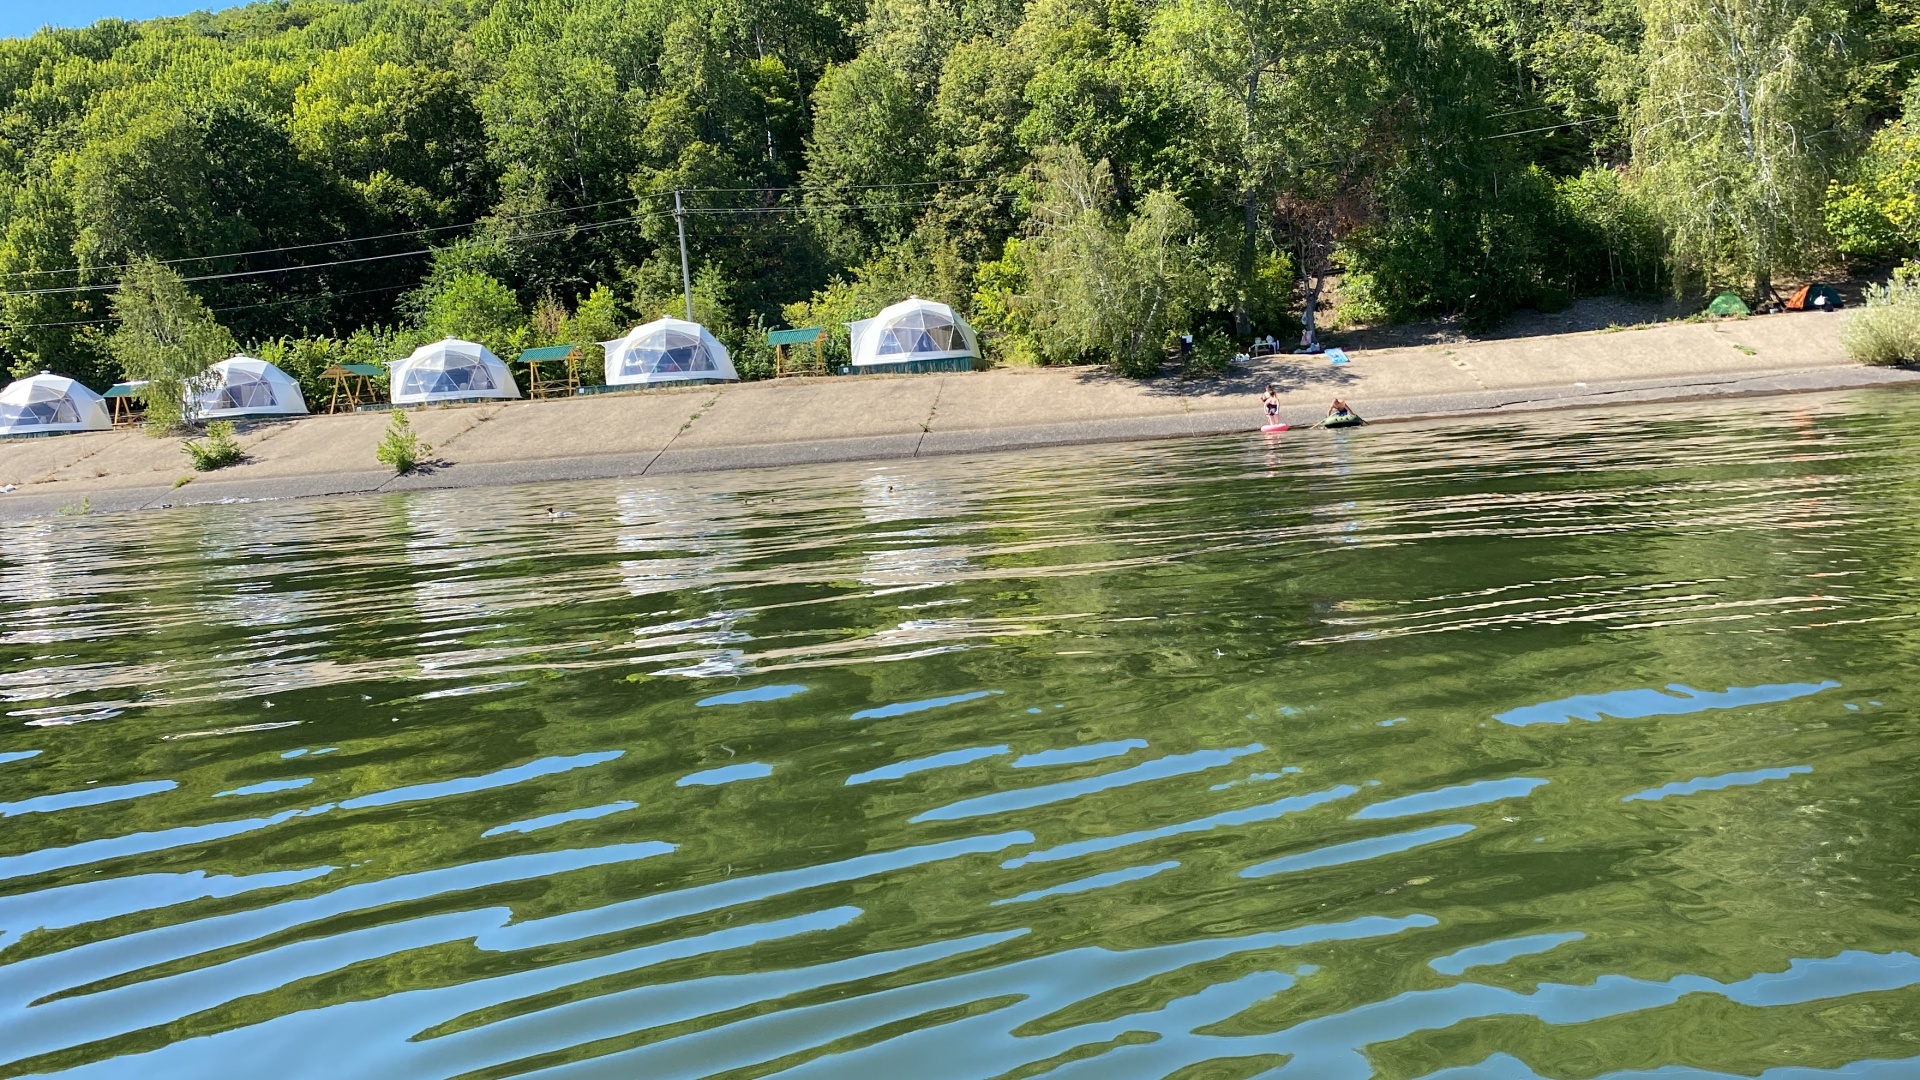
1539,242
400,448
1871,212
1609,236
1860,224
753,358
217,451
1887,330
1101,284
1212,354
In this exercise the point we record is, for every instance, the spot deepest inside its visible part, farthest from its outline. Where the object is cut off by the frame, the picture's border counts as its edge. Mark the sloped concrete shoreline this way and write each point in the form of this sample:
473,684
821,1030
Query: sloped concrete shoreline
814,421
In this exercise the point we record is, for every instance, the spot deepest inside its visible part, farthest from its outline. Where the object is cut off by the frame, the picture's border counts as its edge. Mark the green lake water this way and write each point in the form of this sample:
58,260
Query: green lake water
1560,746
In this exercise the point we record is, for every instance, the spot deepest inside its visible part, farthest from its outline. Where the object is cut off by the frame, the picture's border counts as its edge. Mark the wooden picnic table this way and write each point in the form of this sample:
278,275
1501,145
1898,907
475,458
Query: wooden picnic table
563,384
352,385
128,401
783,342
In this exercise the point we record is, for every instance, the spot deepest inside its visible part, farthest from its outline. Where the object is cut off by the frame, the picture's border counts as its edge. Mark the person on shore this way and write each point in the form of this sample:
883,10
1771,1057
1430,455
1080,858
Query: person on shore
1271,399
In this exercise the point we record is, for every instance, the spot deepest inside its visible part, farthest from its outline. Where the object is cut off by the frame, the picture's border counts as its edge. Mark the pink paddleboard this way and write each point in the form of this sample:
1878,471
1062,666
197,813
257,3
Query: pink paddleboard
1271,428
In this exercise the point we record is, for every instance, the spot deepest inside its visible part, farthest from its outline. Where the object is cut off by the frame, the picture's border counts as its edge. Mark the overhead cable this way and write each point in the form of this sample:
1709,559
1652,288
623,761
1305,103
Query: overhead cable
435,229
330,243
567,230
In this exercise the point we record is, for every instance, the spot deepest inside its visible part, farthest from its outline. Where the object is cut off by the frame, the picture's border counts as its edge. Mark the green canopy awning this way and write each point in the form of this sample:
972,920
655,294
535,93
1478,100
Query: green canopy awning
137,388
793,337
548,352
371,371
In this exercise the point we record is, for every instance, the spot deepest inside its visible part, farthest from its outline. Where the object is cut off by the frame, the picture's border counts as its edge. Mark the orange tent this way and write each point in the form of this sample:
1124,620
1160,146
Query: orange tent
1814,298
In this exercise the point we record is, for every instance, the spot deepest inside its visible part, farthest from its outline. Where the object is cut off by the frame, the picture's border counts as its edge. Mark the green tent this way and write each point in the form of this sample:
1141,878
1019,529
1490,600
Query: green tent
1728,303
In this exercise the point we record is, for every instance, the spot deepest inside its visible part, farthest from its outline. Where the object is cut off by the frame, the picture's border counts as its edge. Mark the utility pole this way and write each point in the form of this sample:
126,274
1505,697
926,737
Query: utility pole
686,279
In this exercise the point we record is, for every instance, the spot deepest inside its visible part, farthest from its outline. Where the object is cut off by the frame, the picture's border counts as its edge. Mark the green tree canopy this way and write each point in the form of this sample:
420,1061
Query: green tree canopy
326,171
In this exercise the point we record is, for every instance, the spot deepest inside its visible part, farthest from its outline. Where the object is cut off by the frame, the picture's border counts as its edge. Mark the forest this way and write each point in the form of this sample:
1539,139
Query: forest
324,180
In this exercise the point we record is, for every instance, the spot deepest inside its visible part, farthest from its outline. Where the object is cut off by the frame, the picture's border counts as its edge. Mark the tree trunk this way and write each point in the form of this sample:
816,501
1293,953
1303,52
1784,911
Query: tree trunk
1309,320
1242,317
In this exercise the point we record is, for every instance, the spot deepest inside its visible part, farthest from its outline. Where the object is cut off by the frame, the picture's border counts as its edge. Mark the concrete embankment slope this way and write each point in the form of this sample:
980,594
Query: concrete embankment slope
795,421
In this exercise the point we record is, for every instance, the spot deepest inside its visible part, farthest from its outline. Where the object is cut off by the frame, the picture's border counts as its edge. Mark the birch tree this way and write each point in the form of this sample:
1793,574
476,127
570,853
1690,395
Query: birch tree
1737,133
166,337
1104,287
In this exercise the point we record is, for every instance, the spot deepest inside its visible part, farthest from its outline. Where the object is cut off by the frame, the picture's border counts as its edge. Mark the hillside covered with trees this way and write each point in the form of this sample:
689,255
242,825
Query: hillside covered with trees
318,180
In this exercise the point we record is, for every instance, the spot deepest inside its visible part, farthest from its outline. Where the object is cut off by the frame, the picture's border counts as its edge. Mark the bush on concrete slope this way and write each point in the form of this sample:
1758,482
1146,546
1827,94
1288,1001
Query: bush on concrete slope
1887,330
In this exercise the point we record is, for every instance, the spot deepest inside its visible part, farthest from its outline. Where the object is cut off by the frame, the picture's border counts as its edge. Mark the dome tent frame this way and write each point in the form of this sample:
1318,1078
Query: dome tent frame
667,351
49,404
451,370
243,386
913,335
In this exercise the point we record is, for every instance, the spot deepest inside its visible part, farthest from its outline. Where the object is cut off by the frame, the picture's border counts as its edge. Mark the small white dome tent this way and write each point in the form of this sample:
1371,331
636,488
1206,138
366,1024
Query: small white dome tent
451,370
44,404
665,351
244,386
914,335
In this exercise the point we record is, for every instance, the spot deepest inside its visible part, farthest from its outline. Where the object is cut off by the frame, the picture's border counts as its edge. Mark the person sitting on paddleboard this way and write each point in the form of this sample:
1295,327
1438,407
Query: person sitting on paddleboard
1271,399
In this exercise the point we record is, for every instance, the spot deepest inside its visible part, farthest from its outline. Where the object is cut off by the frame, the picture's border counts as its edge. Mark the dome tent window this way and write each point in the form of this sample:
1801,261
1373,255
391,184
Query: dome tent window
667,350
447,380
914,335
45,404
920,332
243,386
451,370
51,410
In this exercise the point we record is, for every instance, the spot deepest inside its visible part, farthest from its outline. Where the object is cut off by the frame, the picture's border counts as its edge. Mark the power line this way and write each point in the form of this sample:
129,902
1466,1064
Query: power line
334,243
803,209
66,290
852,187
63,290
435,229
228,307
313,266
1553,127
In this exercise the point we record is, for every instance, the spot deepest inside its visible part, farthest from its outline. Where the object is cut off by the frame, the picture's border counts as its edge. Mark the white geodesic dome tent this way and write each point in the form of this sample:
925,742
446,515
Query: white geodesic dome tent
667,350
48,403
911,331
244,386
451,370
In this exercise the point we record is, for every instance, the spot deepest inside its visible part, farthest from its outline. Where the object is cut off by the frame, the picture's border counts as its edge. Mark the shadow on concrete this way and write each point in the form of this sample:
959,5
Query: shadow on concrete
1286,372
1583,315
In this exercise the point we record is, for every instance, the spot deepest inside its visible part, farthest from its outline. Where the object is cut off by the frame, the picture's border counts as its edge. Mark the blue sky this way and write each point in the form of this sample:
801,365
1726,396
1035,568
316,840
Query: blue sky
21,17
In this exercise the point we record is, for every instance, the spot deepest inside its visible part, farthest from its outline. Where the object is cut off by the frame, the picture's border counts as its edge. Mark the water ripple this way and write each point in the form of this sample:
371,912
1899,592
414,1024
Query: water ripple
1215,757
